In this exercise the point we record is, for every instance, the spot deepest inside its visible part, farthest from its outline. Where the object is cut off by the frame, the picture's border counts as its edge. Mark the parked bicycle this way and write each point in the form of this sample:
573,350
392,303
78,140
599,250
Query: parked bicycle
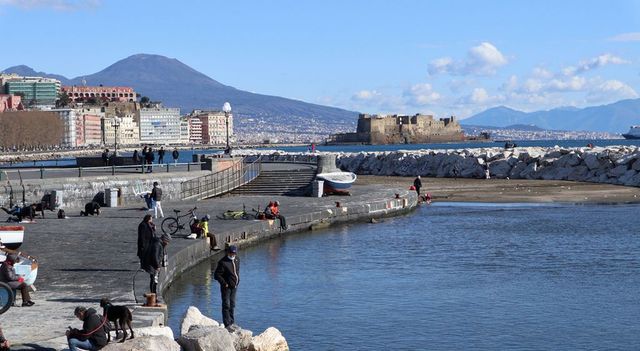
173,225
230,214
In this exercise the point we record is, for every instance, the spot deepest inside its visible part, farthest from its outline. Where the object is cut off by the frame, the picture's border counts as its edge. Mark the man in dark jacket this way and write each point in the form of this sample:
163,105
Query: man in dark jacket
161,153
9,276
175,154
146,231
149,157
228,275
156,196
93,335
91,208
154,259
417,183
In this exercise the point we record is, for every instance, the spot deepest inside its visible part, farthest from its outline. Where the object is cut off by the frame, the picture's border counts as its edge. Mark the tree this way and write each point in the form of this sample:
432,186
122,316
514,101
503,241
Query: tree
144,100
63,100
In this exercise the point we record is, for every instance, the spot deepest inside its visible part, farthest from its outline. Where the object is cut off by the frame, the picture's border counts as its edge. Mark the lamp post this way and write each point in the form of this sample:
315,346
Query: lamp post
115,123
226,108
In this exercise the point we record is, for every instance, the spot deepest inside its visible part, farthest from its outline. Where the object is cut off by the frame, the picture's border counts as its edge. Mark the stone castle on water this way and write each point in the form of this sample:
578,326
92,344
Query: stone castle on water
399,129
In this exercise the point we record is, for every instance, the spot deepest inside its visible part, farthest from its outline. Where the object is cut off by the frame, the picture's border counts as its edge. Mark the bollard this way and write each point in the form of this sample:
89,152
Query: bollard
151,300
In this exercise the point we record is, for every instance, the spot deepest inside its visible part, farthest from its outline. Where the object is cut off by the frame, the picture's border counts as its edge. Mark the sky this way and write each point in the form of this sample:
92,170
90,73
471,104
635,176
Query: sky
402,56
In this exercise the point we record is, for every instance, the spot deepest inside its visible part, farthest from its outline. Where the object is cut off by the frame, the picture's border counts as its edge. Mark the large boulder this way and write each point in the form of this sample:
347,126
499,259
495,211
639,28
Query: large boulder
201,338
617,171
195,317
500,169
270,340
143,343
154,331
242,339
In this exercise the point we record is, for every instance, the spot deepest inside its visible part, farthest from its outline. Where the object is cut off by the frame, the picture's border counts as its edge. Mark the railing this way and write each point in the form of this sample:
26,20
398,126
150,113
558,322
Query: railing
285,158
60,172
221,182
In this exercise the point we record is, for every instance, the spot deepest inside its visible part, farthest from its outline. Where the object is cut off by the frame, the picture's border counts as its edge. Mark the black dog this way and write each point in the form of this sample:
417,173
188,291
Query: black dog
119,315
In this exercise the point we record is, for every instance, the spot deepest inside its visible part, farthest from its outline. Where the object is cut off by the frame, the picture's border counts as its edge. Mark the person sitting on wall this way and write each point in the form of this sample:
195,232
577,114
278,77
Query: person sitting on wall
196,227
91,208
275,212
267,211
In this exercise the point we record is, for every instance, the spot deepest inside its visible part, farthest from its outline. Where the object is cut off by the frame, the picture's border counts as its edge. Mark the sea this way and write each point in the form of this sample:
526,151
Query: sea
448,276
187,155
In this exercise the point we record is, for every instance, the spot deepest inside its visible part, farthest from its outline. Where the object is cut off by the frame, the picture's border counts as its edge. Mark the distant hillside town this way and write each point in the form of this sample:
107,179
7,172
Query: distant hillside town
39,111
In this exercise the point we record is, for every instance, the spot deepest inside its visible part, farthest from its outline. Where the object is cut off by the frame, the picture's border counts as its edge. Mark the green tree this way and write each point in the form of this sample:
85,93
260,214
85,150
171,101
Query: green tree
144,100
63,100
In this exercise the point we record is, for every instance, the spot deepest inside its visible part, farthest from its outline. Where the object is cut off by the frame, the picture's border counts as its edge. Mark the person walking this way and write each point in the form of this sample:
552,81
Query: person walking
161,153
16,282
92,336
175,154
417,183
156,196
227,273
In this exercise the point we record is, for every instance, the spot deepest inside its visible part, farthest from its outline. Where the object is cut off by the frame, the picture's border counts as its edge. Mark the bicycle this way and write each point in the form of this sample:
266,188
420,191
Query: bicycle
230,214
172,225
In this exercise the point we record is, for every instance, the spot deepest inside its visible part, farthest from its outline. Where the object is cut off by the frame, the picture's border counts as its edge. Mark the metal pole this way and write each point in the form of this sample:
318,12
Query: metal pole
227,150
41,172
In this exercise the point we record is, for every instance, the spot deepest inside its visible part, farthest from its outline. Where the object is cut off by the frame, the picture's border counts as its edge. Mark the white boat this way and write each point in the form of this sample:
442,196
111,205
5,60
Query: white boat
337,180
11,236
633,133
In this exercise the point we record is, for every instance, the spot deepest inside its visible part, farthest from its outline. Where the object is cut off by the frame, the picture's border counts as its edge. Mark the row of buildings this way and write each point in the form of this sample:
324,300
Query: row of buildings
99,115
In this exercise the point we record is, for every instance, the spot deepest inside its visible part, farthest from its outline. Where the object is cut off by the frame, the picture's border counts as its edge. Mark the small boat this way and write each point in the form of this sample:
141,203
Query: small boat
11,236
633,133
337,180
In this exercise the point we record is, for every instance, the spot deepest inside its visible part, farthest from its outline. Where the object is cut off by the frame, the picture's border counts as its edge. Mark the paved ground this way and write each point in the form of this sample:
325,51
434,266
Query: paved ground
83,259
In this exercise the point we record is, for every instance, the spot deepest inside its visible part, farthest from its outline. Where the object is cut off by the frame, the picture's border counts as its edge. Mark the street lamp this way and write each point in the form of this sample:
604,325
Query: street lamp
226,108
115,123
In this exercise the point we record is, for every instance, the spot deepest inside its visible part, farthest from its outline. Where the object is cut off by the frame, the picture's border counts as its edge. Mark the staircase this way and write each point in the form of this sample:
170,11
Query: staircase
291,182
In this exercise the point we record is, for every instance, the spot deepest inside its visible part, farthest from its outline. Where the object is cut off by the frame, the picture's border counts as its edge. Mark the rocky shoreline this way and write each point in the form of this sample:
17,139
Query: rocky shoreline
199,332
611,165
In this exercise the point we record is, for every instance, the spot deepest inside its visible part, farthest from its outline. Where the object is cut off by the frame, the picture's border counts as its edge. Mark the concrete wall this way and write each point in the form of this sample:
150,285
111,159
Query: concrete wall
78,191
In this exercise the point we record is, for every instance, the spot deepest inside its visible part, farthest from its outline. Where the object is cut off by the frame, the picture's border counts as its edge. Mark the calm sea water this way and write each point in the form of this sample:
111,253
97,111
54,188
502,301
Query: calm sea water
446,277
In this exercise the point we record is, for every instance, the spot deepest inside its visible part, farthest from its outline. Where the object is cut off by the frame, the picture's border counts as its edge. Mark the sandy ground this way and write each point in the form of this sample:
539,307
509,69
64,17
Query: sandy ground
518,190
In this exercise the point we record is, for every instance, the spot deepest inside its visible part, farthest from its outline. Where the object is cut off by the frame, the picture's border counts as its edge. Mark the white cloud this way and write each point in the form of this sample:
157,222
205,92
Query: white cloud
542,73
575,83
611,90
421,94
596,62
483,59
366,95
480,96
633,36
59,5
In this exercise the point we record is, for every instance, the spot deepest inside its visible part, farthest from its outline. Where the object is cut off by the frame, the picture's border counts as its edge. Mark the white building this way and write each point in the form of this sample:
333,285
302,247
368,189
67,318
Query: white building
184,131
160,125
195,130
128,131
68,117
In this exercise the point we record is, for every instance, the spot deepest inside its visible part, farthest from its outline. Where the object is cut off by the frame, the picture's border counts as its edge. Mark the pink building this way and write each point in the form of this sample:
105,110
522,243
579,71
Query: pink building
10,102
82,93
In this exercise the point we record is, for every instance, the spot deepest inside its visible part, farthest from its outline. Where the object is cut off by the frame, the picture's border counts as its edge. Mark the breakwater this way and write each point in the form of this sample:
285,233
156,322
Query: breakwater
612,165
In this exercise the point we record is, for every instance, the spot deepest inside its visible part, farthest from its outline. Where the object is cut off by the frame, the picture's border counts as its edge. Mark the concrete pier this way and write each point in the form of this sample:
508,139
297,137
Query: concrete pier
83,259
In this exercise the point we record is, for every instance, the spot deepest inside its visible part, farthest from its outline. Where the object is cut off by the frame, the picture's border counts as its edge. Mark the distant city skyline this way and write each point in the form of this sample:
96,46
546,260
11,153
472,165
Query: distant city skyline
370,56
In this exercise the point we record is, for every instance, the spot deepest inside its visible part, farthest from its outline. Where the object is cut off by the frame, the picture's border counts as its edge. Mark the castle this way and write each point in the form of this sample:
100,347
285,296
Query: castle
398,129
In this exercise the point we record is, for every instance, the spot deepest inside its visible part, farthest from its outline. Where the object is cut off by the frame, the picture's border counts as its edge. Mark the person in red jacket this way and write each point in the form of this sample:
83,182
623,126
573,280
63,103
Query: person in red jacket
9,276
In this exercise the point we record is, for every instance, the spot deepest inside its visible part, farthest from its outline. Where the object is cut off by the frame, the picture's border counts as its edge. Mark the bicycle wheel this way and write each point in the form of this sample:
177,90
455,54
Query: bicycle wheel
170,226
6,297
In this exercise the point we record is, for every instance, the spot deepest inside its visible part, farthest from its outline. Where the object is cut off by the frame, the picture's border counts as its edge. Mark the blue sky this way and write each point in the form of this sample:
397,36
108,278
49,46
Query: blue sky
444,57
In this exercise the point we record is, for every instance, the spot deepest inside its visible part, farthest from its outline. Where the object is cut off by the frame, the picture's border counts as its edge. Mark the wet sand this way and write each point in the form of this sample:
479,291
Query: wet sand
516,190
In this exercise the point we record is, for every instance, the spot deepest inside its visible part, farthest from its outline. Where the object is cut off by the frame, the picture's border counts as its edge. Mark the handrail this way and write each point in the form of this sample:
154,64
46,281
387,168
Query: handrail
105,170
284,158
220,182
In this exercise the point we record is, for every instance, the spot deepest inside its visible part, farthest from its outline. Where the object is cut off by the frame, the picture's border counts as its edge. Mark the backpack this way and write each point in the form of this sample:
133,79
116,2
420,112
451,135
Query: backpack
61,214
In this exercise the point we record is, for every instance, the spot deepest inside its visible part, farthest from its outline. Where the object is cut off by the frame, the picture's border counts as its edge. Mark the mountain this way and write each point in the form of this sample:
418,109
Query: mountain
178,85
27,71
613,118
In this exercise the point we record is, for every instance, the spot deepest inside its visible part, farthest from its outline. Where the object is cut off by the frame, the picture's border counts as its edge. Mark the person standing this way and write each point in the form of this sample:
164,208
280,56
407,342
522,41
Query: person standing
146,231
417,183
105,157
9,276
136,157
92,336
156,196
175,154
153,259
161,155
228,275
149,158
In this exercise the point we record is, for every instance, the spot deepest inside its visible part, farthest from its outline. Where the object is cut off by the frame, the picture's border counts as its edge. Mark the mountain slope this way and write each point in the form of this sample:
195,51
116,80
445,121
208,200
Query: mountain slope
27,71
178,85
614,118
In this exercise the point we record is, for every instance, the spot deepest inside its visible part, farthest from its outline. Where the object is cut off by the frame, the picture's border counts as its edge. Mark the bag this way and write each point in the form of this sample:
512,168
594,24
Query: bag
61,214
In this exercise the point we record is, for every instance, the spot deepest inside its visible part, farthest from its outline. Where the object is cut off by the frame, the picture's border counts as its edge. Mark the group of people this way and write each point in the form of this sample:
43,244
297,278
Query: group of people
272,211
147,157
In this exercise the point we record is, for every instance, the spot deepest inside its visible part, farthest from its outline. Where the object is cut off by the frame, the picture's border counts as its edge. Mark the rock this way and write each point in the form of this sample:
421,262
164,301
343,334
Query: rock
154,331
195,317
206,338
591,161
242,339
628,175
270,340
618,171
517,169
500,169
144,343
579,173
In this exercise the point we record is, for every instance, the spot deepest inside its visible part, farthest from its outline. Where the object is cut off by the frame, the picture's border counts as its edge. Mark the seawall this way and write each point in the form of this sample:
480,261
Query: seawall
612,165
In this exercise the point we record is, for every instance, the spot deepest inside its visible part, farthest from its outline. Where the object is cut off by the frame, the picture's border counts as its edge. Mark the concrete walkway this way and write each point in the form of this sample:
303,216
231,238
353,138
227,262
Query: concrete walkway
83,259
